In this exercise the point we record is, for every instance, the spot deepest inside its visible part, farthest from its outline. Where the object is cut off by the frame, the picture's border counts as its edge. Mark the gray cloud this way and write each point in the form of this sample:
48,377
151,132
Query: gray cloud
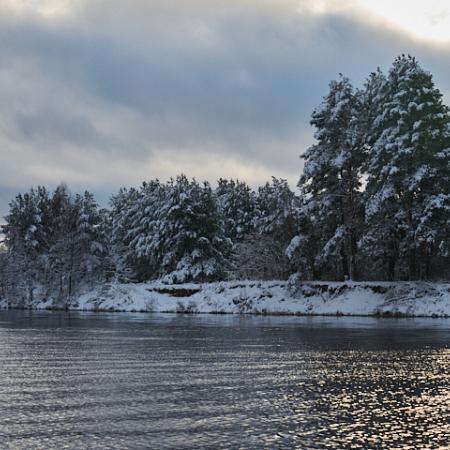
116,92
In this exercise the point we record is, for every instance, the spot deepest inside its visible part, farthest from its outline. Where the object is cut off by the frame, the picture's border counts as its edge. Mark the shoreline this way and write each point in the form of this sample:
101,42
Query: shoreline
263,298
386,315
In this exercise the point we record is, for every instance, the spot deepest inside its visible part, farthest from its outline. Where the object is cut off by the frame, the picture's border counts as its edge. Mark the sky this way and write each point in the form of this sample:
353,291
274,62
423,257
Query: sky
107,93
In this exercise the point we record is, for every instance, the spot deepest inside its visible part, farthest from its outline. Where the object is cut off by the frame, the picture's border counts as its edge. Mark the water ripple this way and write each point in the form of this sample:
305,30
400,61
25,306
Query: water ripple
99,382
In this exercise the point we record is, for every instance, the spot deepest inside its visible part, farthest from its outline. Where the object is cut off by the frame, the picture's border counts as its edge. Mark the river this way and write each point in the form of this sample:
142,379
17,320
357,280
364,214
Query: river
157,381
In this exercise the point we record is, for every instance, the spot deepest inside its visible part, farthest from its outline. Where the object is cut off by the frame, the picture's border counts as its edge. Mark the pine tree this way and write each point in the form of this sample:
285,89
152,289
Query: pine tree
331,182
304,247
193,244
124,206
144,229
236,202
276,210
89,243
408,173
76,248
25,240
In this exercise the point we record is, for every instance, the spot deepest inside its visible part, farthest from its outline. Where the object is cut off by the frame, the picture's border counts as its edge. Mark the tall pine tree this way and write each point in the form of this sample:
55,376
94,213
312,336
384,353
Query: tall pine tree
408,173
331,183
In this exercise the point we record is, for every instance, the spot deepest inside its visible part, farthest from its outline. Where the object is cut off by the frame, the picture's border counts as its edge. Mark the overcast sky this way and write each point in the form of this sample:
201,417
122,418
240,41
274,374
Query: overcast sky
105,93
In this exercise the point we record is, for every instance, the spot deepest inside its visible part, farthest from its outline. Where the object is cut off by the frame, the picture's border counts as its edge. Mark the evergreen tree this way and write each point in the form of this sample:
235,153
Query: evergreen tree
193,244
90,248
331,182
408,173
304,247
237,204
276,210
145,225
25,240
124,206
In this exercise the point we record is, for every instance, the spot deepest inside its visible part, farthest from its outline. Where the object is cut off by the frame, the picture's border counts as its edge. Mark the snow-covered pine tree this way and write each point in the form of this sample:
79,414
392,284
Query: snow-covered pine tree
61,232
377,245
303,248
104,229
25,240
331,182
90,248
23,223
124,206
77,248
193,244
236,202
144,231
276,210
408,173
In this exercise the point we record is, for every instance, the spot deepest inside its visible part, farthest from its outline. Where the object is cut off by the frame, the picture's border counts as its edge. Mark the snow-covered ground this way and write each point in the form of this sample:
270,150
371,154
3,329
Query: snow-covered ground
271,297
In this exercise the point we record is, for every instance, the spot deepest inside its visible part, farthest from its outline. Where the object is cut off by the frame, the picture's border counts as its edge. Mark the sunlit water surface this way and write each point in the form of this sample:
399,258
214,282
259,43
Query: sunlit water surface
131,381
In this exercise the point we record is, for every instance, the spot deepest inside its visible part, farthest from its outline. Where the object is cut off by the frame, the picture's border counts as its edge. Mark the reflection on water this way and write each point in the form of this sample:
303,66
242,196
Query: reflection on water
119,381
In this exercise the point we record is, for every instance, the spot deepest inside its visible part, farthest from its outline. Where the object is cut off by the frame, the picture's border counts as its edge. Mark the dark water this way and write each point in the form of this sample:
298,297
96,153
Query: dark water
120,381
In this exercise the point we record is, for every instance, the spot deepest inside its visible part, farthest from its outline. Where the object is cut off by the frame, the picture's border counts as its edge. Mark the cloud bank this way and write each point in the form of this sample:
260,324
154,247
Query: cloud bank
101,93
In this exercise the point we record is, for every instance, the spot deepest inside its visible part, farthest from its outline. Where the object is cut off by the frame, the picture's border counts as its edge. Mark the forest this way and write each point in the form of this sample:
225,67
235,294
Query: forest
372,203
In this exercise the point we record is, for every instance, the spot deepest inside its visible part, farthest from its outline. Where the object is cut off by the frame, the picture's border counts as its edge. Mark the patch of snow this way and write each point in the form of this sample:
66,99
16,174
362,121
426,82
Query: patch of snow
270,297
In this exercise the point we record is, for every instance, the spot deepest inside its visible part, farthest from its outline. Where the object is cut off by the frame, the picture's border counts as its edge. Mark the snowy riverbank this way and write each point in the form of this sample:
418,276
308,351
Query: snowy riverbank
269,297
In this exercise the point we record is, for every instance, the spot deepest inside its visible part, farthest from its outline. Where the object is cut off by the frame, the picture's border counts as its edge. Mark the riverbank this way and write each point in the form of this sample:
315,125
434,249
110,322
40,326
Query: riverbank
385,299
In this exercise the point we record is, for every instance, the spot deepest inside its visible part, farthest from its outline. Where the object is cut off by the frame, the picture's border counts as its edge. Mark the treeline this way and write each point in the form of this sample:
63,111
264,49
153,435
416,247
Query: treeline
186,231
179,231
373,203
